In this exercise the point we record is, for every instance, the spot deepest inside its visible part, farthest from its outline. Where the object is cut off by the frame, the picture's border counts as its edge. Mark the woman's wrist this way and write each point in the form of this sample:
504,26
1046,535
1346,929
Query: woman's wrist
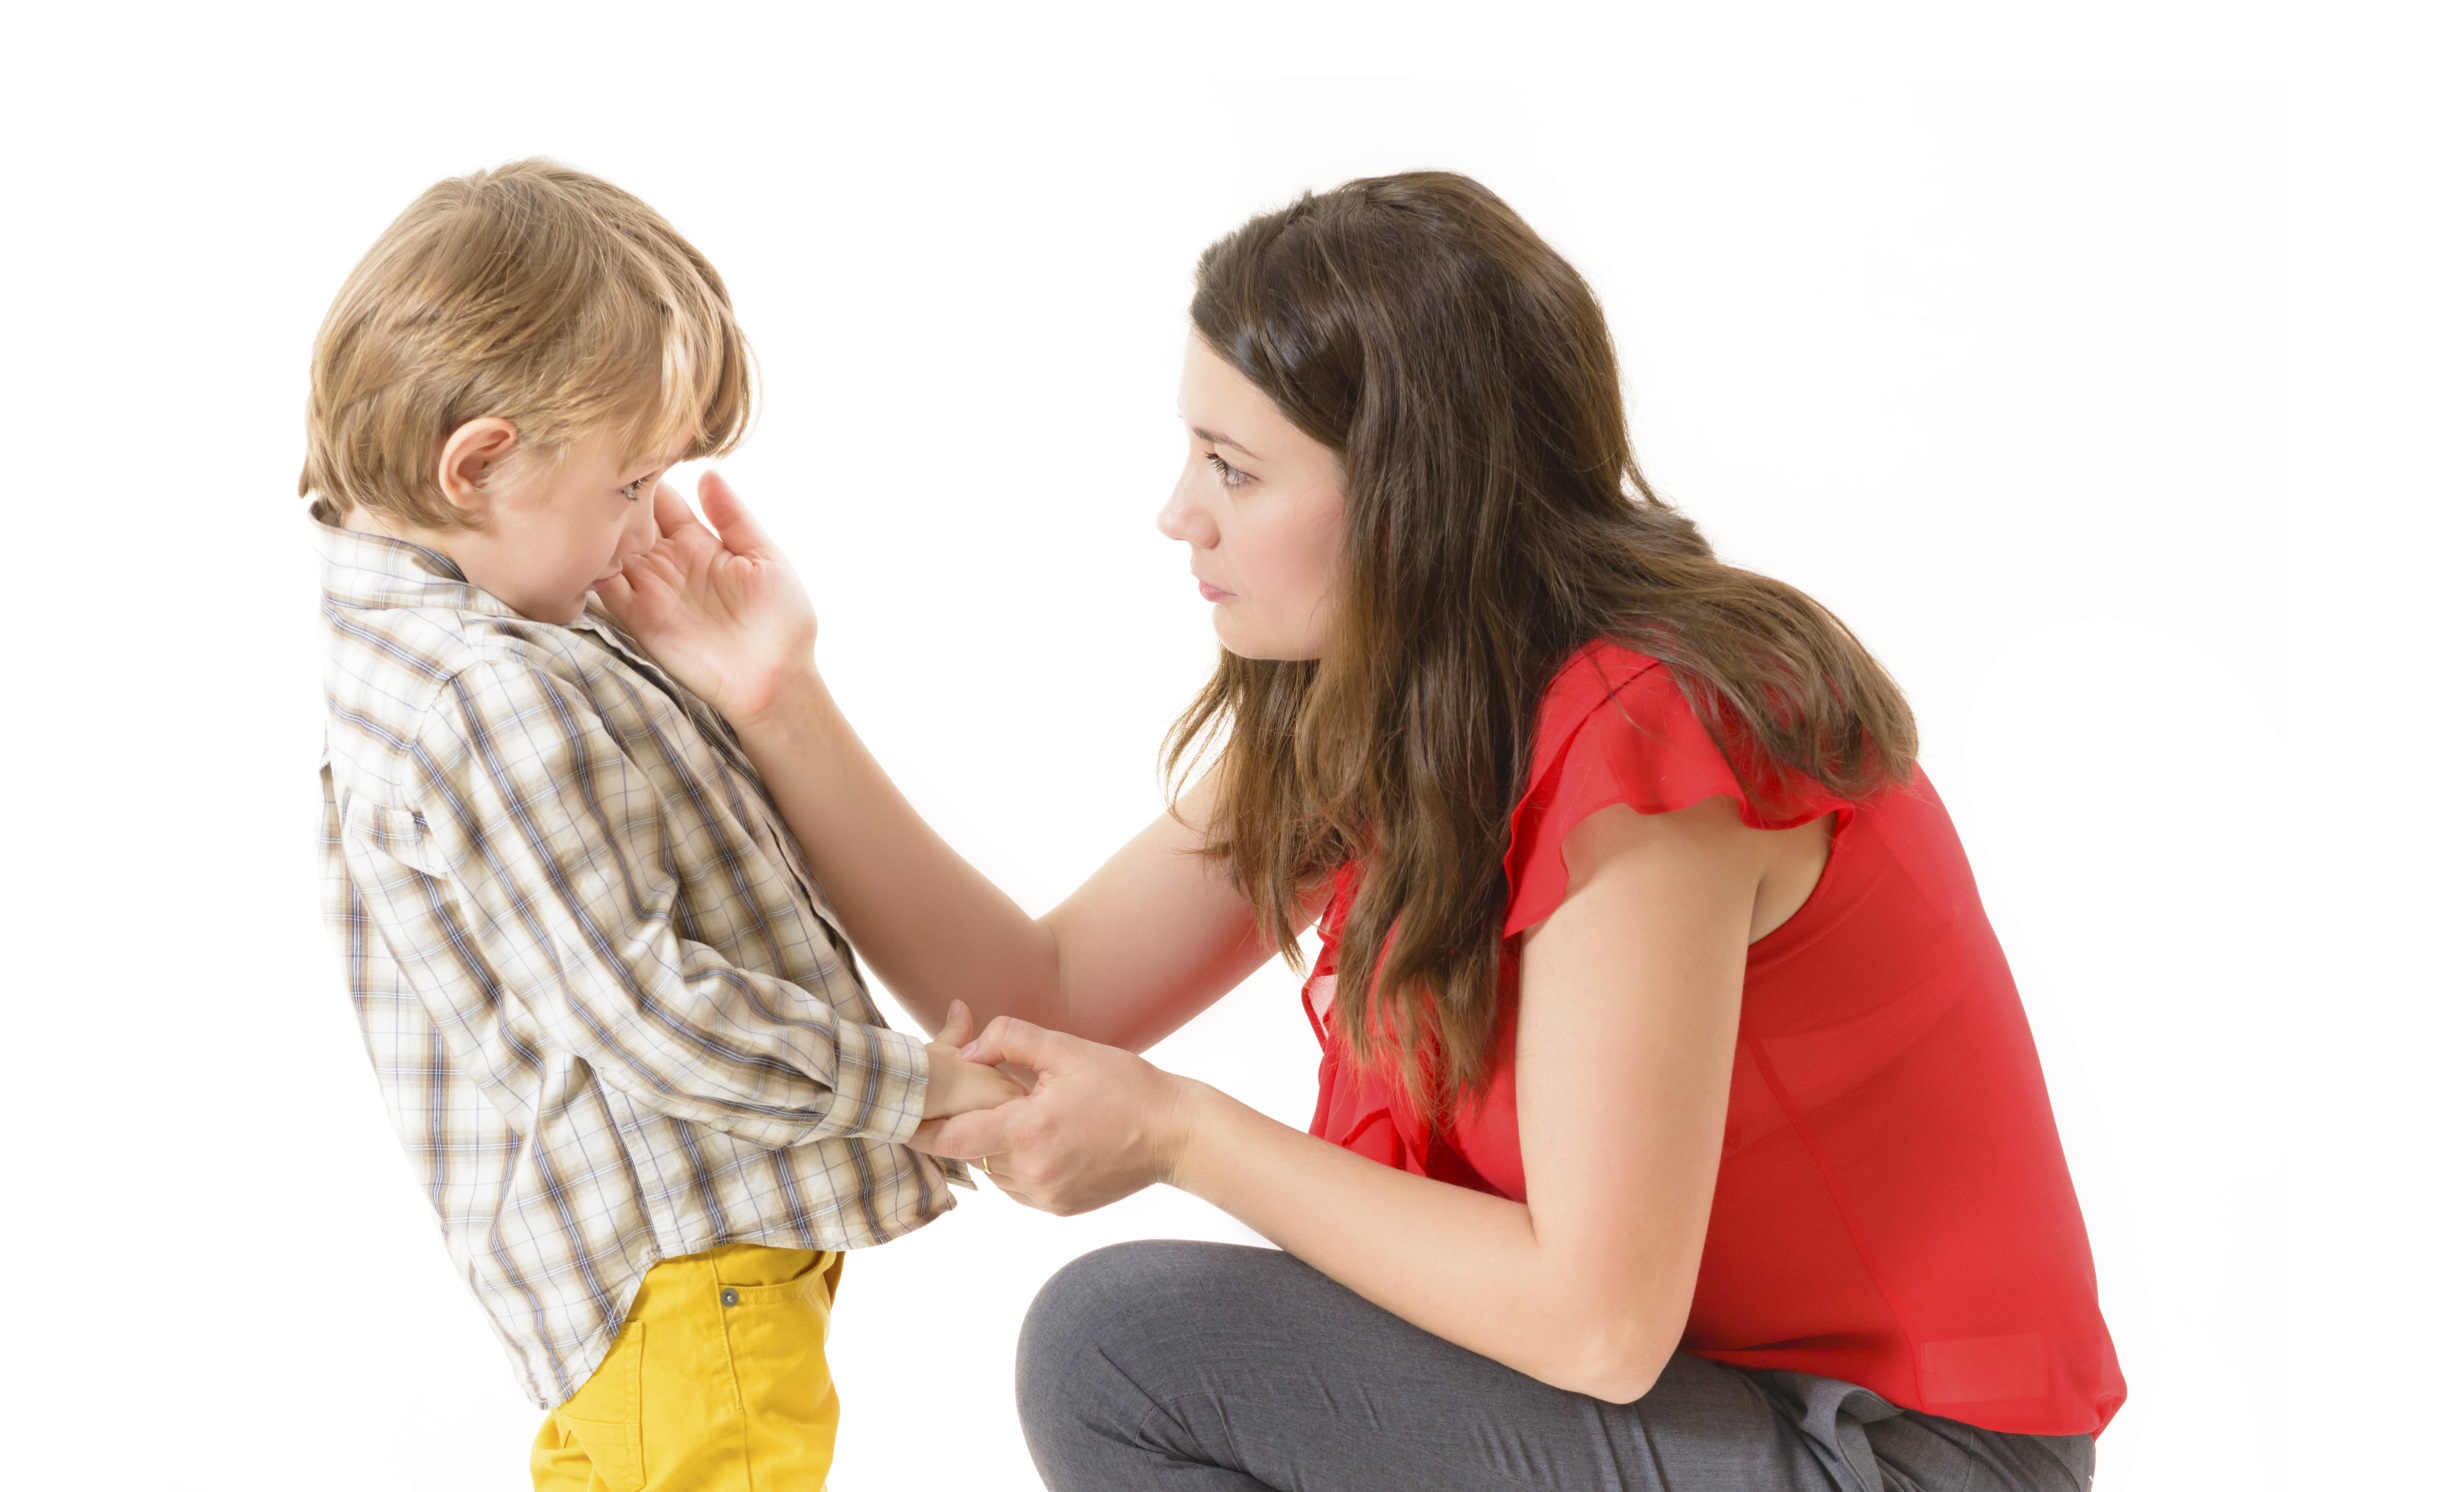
1195,1116
799,698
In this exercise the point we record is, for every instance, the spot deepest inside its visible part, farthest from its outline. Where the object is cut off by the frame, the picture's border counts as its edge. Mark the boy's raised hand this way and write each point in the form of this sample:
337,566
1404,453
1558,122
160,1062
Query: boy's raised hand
721,610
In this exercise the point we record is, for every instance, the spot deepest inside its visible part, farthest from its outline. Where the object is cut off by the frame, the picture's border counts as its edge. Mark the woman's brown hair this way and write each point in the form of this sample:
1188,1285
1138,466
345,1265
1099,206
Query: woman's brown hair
1495,522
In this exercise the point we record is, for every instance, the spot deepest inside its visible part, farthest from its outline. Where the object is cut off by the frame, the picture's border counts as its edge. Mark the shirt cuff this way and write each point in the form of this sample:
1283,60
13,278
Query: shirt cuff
881,1083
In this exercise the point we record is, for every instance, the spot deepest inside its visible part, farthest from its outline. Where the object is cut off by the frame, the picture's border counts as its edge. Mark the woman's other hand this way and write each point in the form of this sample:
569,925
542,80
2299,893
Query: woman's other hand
1098,1124
721,611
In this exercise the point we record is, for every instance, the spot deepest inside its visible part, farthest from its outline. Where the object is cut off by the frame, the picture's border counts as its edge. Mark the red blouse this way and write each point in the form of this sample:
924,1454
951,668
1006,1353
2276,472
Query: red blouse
1892,1208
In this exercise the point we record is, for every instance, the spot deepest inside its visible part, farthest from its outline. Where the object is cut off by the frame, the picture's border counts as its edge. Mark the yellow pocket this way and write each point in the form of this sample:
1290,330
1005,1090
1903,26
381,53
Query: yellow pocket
604,1415
803,1301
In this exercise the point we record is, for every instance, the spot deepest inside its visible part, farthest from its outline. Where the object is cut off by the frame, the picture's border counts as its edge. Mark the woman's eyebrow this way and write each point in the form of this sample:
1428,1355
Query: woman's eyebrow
1221,440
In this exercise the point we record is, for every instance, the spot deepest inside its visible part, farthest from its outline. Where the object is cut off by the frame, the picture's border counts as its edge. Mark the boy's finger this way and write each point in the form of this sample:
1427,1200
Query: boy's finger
731,518
957,1029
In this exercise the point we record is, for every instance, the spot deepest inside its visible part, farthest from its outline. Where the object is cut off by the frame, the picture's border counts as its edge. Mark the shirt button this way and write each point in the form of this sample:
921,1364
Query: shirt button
731,1297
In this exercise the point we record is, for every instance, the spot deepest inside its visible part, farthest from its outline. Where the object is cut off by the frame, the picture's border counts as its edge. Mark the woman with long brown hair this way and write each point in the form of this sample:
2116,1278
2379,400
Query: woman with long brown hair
1679,1125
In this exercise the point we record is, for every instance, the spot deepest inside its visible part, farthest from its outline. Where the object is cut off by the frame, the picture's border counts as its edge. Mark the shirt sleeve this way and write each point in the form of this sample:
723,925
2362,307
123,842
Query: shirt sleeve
560,851
1617,729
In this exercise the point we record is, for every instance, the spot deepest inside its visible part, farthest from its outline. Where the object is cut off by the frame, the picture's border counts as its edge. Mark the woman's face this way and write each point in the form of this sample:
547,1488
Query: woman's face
1261,505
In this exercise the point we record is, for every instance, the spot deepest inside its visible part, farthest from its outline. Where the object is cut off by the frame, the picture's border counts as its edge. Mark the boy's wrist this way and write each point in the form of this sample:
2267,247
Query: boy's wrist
958,1087
938,1099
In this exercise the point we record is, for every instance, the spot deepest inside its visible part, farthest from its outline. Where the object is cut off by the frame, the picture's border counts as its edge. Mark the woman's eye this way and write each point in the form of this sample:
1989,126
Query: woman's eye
1228,476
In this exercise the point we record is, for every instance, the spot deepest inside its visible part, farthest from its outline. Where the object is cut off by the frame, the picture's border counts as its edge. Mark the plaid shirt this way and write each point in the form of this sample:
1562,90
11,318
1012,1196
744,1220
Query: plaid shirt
612,1016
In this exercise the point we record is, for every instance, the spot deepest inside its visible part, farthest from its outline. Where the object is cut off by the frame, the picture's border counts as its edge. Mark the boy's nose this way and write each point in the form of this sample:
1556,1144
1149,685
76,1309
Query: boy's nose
639,534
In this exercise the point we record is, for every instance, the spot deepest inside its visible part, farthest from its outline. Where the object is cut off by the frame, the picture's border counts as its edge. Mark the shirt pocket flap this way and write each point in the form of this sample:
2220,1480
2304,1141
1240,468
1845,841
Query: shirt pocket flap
400,834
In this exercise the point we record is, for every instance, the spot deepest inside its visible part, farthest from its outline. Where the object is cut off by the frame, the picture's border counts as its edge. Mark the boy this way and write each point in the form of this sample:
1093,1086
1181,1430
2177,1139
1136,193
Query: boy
615,1024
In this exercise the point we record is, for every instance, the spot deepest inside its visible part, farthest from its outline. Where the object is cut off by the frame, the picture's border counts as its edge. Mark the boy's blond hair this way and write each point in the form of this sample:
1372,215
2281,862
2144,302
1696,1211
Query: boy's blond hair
534,293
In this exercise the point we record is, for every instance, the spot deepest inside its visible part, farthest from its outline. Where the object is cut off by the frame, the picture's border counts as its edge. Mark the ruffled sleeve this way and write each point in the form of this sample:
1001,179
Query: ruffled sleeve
1614,728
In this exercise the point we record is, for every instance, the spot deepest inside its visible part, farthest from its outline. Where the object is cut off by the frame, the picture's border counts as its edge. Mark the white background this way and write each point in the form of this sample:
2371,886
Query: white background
2044,353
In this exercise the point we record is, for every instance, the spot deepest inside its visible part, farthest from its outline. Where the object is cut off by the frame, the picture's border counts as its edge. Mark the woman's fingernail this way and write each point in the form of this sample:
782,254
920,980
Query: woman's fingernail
969,1047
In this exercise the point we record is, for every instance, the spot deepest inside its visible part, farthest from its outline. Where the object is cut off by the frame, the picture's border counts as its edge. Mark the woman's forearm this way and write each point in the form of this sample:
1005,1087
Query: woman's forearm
1461,1264
934,928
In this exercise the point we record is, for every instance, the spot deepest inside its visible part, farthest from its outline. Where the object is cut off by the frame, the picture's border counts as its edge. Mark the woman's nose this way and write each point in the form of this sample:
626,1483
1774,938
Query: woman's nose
1181,518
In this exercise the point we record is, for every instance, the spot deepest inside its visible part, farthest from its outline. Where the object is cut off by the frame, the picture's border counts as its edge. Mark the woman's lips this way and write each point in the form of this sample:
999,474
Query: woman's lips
1211,592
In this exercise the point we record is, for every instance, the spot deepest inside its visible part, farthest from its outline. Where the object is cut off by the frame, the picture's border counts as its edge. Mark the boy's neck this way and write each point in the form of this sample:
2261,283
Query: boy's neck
359,520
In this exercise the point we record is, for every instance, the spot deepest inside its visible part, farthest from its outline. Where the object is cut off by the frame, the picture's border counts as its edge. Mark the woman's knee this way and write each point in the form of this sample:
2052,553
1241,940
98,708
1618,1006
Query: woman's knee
1118,1318
1098,1296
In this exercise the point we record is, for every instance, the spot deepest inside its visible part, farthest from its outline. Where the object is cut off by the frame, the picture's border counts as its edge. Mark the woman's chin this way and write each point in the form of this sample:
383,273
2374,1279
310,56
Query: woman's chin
1262,650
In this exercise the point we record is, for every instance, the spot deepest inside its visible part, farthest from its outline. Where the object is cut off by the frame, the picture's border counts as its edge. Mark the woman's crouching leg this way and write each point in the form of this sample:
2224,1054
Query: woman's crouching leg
1211,1367
1111,1371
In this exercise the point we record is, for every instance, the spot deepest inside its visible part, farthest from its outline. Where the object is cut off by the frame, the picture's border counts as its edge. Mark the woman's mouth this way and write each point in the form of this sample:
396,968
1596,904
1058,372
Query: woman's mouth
1211,592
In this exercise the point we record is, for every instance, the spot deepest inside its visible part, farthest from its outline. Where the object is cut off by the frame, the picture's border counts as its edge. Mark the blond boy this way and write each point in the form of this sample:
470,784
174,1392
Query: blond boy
615,1022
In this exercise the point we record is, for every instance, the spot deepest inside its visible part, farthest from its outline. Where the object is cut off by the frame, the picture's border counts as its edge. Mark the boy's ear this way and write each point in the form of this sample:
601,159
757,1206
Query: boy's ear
469,453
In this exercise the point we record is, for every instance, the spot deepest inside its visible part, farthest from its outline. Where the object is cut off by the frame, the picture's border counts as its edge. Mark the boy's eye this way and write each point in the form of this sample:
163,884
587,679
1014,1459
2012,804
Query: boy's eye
1228,476
630,489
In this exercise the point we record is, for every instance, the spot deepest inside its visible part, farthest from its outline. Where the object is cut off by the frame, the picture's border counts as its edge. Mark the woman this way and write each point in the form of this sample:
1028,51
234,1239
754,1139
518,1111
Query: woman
1680,1127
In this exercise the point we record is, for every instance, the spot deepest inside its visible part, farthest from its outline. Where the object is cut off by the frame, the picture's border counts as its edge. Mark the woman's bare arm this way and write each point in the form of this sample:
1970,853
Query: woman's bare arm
1154,935
1627,1025
1151,939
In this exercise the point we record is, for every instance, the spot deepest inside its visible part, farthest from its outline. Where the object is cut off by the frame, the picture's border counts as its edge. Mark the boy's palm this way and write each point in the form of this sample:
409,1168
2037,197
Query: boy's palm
721,611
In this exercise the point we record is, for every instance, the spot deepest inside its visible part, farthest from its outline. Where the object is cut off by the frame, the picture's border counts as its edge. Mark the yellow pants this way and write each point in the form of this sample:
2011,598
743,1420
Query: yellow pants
717,1382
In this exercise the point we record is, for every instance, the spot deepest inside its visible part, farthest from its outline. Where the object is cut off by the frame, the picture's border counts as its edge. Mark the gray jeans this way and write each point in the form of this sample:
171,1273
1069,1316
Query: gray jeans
1207,1367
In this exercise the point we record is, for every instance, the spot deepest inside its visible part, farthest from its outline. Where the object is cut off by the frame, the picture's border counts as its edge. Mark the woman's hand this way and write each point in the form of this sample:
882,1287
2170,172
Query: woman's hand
722,612
1098,1124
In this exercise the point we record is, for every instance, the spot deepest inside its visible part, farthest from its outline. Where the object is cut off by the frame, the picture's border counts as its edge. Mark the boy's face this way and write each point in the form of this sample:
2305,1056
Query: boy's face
549,534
